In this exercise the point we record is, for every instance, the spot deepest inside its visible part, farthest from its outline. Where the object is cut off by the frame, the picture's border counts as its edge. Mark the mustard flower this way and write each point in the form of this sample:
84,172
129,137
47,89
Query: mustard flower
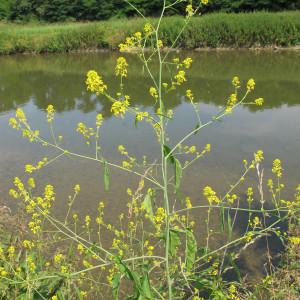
120,107
99,120
236,82
211,195
204,2
121,67
50,113
259,156
11,251
180,77
189,10
160,43
153,92
189,95
250,85
188,202
277,168
187,62
141,115
259,101
148,28
295,240
95,83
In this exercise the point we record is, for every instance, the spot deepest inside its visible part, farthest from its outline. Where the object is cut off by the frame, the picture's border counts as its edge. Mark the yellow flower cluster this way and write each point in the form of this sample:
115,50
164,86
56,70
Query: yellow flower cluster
20,123
211,195
153,92
31,168
180,77
94,83
250,85
295,240
121,67
119,108
99,120
189,95
50,113
277,168
231,103
141,115
236,82
259,156
86,132
130,42
259,101
189,10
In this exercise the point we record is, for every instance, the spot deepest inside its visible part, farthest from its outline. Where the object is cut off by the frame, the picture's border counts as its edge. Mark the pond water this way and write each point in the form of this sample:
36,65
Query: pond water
33,82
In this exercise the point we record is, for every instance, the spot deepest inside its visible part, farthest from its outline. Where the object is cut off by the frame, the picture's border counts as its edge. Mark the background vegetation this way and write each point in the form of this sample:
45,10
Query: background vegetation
62,10
213,30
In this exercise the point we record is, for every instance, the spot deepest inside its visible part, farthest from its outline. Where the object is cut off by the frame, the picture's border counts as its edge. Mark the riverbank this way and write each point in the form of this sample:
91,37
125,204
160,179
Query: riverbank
245,30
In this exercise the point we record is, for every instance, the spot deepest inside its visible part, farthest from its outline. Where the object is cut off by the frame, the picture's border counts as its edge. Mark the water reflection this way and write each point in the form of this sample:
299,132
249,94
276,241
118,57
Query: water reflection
59,79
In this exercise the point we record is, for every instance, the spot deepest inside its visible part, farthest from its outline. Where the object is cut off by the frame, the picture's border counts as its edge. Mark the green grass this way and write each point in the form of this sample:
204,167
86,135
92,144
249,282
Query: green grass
259,29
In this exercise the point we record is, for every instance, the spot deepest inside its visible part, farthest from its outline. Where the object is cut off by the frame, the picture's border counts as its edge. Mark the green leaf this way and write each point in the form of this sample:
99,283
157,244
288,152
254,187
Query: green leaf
116,284
106,177
148,204
146,287
167,152
191,249
178,174
174,242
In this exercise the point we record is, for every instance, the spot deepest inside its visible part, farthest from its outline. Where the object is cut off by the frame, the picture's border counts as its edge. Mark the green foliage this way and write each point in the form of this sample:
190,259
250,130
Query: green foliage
214,30
61,10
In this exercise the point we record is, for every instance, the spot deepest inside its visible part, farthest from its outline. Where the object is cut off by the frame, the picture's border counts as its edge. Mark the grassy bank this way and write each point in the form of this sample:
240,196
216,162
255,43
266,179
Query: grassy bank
216,30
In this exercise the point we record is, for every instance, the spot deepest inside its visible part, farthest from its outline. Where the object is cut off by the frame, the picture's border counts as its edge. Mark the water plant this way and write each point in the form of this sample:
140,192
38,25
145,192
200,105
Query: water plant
159,248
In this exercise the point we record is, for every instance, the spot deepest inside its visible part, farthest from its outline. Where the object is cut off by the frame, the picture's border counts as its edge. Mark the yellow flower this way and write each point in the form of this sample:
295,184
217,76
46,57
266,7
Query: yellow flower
277,168
259,101
11,251
188,202
141,115
77,188
231,103
180,77
189,10
236,82
295,240
250,85
153,92
50,113
187,62
148,28
58,258
28,244
95,83
189,95
87,220
211,195
31,183
54,298
160,43
121,67
120,107
20,115
99,120
204,2
259,156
